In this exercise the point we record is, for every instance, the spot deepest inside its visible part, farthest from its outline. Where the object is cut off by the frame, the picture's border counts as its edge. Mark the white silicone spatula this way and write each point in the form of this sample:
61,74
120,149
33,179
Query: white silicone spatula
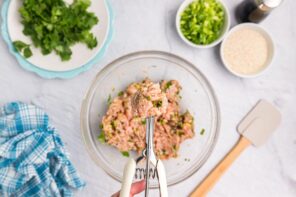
255,129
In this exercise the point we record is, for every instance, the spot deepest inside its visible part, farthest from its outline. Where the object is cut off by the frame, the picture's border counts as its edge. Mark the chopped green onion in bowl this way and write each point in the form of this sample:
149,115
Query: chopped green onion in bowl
202,21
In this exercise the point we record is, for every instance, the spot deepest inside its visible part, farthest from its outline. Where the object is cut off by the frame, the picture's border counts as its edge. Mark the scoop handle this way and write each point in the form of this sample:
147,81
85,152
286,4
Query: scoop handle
163,187
128,175
208,183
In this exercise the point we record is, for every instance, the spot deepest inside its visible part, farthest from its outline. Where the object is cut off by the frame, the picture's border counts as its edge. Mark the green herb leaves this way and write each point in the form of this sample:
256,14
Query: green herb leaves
109,100
120,93
157,103
168,85
202,131
55,26
143,122
202,21
23,48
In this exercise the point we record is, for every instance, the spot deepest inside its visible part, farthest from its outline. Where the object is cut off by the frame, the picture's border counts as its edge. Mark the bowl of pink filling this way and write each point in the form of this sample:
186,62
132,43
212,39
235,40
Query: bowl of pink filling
165,86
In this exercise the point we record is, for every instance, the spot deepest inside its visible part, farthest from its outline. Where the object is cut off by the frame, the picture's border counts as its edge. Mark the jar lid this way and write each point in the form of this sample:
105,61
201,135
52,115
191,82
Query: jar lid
272,3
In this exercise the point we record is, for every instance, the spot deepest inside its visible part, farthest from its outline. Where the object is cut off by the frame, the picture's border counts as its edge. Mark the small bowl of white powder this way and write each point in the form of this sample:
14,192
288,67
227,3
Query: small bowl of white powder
247,50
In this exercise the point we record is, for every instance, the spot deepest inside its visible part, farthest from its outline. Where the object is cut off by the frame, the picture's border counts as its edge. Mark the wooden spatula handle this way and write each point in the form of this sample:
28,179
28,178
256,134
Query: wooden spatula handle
207,184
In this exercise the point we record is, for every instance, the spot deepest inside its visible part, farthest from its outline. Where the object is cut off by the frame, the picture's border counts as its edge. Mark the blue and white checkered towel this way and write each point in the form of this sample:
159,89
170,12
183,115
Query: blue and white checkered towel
33,160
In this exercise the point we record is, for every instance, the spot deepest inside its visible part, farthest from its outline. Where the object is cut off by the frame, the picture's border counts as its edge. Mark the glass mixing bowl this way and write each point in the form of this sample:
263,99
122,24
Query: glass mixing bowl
197,96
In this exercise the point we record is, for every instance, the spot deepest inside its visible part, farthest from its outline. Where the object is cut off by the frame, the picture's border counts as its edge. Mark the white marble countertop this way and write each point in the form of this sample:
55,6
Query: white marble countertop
147,25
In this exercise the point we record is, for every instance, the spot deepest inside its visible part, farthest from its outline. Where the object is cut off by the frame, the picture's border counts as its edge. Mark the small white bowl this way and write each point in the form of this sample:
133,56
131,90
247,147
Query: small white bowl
224,31
270,48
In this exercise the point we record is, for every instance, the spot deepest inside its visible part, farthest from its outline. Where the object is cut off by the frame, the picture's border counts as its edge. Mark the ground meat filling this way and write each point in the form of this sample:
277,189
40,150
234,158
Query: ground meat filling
124,123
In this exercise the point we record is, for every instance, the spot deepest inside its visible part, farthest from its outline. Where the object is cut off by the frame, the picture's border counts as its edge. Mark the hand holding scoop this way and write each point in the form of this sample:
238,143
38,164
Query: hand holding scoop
255,129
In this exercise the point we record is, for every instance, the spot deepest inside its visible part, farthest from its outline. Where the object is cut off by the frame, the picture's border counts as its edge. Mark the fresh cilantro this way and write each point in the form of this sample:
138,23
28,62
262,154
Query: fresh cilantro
23,48
55,26
202,131
143,121
120,93
27,52
109,100
180,133
113,125
175,148
168,85
19,45
148,98
180,125
157,103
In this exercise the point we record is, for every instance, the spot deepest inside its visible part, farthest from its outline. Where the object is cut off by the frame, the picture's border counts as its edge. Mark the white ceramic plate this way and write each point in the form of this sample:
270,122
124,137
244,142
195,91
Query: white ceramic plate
52,62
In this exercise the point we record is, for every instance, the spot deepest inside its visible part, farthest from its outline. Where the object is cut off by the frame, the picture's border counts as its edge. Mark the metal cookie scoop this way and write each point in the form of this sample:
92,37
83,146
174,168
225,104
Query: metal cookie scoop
255,129
147,153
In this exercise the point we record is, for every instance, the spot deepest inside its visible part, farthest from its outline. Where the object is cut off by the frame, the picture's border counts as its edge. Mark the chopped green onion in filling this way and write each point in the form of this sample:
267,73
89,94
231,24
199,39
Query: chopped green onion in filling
125,154
101,137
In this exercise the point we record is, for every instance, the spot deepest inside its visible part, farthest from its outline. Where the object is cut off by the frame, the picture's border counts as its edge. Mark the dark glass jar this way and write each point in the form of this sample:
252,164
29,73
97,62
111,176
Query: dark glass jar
255,10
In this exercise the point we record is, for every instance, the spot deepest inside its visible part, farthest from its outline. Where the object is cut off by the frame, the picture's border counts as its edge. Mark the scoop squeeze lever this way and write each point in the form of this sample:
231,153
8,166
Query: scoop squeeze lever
255,129
149,155
128,174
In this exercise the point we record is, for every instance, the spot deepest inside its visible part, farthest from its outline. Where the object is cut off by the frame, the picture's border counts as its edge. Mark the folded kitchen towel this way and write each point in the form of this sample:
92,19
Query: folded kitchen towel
33,159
